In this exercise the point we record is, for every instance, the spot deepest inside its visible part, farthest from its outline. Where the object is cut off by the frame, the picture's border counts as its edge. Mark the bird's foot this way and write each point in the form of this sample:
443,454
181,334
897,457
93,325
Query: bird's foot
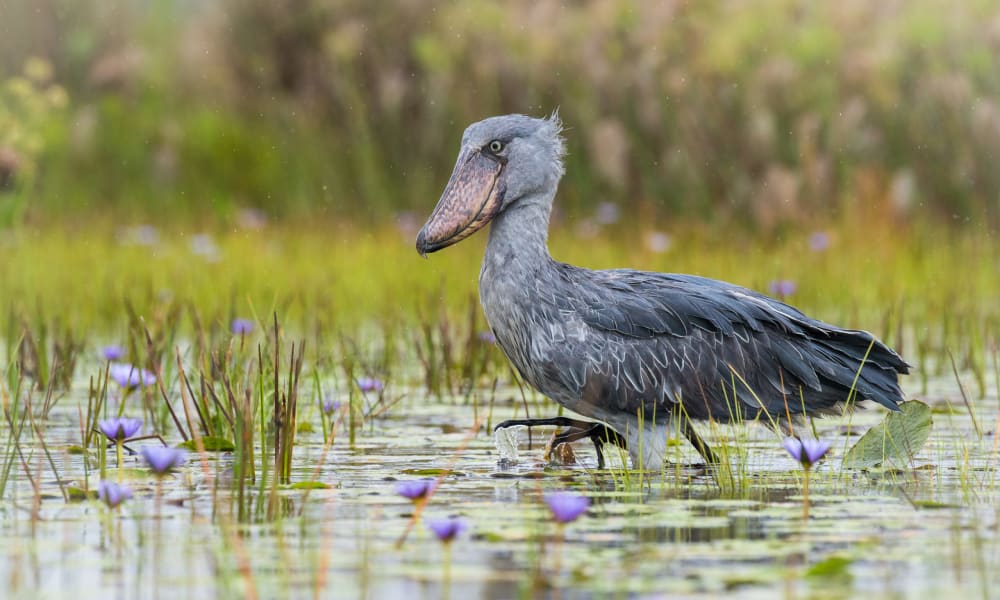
559,452
596,432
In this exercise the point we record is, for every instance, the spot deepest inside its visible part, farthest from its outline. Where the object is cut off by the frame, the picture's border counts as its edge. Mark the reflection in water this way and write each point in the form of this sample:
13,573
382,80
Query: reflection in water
739,527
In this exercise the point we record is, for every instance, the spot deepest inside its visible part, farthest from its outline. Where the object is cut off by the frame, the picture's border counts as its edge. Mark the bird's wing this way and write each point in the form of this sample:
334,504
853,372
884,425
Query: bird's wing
656,340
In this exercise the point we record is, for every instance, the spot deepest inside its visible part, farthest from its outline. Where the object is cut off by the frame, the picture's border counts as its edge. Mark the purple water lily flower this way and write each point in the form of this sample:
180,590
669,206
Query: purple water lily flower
330,406
113,494
782,287
416,489
819,241
117,429
807,452
448,529
162,460
566,507
369,384
241,326
113,352
607,213
204,246
129,376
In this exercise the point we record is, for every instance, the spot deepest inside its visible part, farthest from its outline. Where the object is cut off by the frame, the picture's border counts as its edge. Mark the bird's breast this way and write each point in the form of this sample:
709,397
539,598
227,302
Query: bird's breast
534,333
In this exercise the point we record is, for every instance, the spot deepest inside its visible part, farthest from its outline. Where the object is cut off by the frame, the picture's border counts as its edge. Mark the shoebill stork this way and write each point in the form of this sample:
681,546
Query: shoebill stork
643,354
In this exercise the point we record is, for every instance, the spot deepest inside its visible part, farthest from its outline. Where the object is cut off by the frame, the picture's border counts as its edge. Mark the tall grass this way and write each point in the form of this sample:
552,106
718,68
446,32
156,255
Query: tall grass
926,289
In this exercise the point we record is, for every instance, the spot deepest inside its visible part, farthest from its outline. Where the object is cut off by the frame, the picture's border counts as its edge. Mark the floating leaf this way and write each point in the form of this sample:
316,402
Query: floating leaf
429,472
310,485
934,504
211,444
896,440
834,567
78,494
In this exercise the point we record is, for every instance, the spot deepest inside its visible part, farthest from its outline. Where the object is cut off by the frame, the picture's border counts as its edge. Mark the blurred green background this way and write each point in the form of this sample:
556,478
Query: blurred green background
243,157
748,114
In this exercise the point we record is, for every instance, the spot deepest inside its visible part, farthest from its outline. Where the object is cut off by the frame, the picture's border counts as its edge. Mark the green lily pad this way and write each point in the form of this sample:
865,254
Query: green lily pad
895,441
310,485
211,444
132,473
431,472
79,494
934,504
834,567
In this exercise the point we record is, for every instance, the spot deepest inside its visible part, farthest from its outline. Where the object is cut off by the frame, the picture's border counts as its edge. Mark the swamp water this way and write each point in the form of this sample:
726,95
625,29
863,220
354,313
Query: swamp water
923,532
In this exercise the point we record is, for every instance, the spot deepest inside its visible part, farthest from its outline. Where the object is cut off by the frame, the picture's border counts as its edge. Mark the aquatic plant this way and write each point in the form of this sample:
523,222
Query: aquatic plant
129,376
162,460
113,352
241,326
330,406
566,507
113,494
447,529
782,288
369,384
118,429
807,453
415,490
819,241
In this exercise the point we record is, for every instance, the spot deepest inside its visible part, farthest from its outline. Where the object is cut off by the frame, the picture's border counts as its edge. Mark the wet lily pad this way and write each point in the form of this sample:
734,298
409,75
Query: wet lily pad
895,441
211,444
431,472
79,494
131,473
834,567
310,485
934,504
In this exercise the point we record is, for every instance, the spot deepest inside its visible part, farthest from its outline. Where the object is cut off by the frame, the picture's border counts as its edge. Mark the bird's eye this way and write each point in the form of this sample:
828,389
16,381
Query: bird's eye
495,146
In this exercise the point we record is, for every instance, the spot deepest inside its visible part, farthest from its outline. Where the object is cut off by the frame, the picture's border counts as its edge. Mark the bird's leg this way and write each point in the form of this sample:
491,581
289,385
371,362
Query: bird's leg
711,458
599,433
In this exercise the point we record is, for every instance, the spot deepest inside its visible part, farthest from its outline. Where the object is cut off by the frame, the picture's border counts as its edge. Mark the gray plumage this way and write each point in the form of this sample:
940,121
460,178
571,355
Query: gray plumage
625,346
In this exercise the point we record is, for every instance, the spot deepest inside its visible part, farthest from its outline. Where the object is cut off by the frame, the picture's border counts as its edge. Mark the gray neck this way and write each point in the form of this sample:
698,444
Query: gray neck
520,234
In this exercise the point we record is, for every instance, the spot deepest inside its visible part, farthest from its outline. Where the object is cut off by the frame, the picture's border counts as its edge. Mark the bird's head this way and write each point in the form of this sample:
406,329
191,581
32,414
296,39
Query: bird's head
502,160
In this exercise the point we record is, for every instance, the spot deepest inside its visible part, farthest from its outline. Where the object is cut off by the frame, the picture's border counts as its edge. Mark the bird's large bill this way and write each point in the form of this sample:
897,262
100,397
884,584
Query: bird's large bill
473,197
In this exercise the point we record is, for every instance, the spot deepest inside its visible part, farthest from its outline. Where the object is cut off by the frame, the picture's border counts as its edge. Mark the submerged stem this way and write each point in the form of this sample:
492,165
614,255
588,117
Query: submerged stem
119,443
446,582
805,495
557,552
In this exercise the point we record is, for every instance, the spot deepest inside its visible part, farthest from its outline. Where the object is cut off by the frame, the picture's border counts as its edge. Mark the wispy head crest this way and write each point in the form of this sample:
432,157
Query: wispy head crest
553,129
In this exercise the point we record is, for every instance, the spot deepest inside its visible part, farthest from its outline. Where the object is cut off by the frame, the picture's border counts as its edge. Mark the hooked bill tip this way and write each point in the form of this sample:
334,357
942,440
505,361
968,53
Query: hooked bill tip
422,244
